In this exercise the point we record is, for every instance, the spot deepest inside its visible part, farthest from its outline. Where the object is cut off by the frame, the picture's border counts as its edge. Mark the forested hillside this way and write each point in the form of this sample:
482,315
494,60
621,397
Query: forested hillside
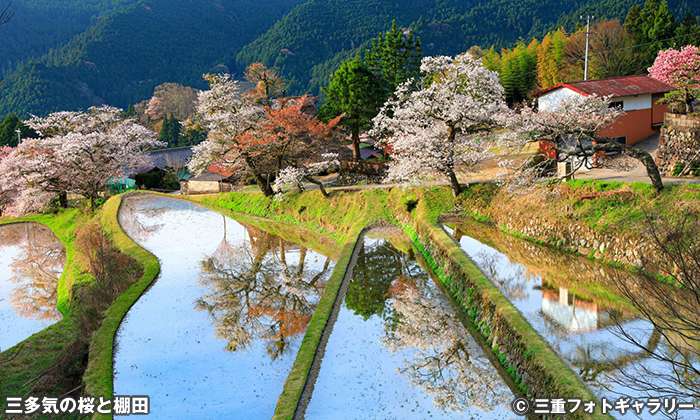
121,58
39,25
311,42
70,54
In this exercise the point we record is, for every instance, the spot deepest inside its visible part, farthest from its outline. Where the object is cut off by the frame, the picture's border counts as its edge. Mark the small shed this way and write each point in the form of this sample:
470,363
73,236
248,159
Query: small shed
636,95
206,183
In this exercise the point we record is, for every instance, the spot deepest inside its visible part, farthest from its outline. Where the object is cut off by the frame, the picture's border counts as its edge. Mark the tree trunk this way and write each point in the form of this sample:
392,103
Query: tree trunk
639,154
319,183
356,157
454,183
263,183
63,199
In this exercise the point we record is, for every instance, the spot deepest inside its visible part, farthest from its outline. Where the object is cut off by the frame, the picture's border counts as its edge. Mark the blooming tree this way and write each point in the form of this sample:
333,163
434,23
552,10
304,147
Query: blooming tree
262,139
443,124
679,68
231,119
574,130
295,175
8,191
78,153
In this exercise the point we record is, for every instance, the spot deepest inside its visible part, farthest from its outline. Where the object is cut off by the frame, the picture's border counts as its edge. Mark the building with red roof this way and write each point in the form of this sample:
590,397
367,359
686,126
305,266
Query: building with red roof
637,95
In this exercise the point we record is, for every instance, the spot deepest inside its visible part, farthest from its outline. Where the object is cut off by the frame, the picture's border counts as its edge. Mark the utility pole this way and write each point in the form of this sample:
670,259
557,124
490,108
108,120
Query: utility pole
19,136
588,34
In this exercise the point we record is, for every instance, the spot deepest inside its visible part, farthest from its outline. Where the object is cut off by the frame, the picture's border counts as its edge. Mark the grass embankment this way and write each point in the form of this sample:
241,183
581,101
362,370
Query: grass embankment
552,378
301,370
98,376
38,353
536,369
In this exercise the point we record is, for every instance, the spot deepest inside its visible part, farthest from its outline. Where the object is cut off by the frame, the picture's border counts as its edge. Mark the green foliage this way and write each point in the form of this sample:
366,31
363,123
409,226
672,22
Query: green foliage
170,132
309,43
394,58
124,55
651,23
356,92
8,131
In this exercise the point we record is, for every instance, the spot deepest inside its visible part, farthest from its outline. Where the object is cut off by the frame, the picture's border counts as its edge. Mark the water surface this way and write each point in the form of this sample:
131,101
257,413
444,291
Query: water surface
218,332
398,349
31,262
570,300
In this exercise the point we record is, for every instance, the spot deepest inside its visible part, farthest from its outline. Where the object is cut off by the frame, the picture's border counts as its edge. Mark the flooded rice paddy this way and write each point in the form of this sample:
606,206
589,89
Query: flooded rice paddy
398,349
560,295
217,333
31,262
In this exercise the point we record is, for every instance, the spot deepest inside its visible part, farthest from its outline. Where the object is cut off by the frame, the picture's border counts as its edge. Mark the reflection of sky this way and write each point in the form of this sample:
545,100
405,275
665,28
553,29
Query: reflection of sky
15,328
359,376
168,350
581,350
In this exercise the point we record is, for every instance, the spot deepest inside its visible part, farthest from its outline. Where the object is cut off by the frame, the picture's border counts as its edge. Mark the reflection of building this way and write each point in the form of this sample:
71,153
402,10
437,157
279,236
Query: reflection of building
572,312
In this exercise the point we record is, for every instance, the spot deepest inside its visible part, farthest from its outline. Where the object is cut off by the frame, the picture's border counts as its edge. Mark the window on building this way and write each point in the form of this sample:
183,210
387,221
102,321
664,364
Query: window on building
617,104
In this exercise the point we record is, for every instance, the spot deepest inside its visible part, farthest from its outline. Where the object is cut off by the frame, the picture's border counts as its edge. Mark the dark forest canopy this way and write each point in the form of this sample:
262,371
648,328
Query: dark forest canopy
69,54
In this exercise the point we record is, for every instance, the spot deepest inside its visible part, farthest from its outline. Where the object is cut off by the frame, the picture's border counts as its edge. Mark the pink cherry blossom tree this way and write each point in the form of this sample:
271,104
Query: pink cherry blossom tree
444,124
79,152
679,68
7,190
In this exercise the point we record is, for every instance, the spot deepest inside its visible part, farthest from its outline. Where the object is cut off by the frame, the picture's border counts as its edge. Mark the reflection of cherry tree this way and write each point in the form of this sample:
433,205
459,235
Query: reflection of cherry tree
511,286
133,217
36,272
443,364
254,293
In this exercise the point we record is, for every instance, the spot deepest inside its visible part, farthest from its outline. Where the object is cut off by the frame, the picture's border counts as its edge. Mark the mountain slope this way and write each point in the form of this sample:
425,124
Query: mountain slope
321,29
309,43
39,25
121,58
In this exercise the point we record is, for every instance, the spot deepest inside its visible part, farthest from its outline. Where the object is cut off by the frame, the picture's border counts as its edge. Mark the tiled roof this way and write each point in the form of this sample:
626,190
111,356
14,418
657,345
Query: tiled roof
615,87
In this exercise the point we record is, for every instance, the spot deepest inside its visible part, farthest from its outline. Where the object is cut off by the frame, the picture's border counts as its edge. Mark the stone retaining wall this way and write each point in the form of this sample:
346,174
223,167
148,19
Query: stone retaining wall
679,142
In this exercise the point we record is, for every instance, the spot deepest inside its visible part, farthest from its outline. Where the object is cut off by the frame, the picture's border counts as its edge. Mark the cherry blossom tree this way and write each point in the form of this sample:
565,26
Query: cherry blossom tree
679,68
230,117
444,124
7,191
575,130
78,153
264,139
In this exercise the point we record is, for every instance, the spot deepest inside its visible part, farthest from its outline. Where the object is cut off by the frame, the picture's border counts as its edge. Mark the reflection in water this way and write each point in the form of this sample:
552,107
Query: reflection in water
563,300
31,262
445,361
217,334
254,293
399,350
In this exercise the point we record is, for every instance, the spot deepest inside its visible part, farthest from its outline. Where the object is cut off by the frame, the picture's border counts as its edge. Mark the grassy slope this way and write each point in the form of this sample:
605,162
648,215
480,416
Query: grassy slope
367,206
40,351
340,218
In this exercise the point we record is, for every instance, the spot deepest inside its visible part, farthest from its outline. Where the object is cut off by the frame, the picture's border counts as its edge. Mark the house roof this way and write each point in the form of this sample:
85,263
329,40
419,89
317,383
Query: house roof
171,157
615,87
208,176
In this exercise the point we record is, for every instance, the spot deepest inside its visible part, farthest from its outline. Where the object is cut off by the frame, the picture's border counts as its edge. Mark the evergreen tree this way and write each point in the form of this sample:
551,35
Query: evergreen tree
170,131
688,32
356,93
395,58
130,112
648,25
8,131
